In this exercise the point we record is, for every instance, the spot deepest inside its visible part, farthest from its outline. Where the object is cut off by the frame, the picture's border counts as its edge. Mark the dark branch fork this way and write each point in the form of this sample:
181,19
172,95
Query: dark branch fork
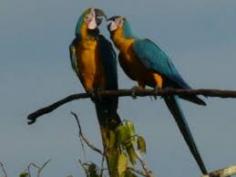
3,169
130,92
83,137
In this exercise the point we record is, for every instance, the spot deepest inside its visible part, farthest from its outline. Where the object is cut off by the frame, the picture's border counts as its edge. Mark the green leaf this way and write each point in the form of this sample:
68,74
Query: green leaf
132,154
93,170
113,161
90,169
24,174
141,144
122,134
125,133
122,164
131,128
112,139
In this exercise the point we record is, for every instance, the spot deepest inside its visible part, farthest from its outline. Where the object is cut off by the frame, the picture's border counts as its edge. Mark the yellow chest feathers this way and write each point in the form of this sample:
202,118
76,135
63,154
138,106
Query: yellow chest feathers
123,44
90,65
87,55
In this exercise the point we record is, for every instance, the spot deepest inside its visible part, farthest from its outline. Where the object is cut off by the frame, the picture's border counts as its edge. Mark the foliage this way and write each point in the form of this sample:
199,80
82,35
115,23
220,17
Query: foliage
123,149
24,174
91,170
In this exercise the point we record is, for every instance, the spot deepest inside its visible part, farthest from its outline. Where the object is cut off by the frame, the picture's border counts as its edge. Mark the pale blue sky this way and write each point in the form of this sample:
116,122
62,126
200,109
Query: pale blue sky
35,70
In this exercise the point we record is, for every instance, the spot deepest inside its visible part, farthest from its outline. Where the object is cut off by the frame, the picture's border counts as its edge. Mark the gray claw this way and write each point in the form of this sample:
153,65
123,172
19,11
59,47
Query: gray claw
133,93
134,89
156,89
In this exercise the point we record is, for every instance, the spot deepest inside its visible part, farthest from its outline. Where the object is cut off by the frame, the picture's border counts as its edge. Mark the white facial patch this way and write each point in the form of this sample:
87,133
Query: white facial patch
113,26
92,24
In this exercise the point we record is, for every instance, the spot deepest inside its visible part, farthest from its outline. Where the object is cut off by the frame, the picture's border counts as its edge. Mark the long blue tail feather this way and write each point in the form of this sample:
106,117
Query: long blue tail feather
174,107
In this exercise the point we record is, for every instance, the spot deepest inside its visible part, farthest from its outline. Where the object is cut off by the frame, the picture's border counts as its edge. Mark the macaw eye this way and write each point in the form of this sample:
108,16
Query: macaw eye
88,18
119,21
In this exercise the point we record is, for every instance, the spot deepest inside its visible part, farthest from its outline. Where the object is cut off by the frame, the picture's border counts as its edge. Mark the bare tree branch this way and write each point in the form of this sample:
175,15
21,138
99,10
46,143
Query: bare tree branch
80,132
39,169
147,172
33,116
3,169
137,171
102,165
131,92
90,145
224,172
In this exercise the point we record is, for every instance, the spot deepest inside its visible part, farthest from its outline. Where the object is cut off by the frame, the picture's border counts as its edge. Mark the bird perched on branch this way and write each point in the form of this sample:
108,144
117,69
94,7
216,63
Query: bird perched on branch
94,61
143,61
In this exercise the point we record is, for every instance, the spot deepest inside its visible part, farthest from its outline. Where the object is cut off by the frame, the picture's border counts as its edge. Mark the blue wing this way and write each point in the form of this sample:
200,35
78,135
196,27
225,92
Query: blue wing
156,60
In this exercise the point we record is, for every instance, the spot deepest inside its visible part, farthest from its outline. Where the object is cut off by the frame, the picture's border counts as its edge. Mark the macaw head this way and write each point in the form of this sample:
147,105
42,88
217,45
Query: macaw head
90,19
119,23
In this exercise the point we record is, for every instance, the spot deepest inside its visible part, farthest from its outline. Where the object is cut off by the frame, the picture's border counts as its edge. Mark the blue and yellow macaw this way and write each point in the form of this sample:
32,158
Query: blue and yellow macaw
143,61
94,61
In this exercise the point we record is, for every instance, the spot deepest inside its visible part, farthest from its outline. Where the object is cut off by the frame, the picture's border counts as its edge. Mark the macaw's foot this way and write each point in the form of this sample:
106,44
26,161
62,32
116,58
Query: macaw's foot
95,94
92,94
152,98
156,90
135,89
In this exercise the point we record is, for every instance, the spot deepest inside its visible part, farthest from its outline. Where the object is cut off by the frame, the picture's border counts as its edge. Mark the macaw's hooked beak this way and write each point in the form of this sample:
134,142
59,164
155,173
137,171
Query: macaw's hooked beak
109,22
113,18
99,15
112,25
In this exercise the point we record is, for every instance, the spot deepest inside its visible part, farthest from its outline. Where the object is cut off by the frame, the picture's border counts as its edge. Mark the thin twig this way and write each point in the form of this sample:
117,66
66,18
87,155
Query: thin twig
82,165
42,167
102,165
39,169
224,172
147,172
130,92
3,169
90,145
137,171
80,132
32,165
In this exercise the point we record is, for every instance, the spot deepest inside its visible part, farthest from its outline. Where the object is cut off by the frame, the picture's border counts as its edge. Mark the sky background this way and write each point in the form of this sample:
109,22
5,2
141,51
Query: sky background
35,71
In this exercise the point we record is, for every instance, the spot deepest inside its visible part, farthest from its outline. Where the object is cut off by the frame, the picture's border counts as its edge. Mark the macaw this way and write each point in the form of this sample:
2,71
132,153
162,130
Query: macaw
94,61
143,61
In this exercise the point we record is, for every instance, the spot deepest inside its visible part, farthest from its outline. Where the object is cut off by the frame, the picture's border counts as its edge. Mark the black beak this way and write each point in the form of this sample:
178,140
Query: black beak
113,18
110,20
109,26
99,15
